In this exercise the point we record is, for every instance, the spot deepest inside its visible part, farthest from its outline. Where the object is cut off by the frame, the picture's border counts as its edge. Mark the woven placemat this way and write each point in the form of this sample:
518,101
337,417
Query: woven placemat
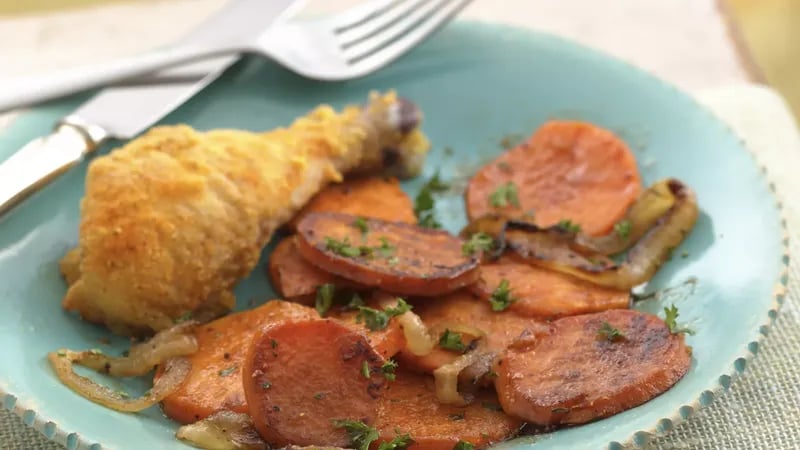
761,410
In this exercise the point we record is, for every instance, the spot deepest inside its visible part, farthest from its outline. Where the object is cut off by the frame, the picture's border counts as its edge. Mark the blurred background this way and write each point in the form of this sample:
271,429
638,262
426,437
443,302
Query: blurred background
766,33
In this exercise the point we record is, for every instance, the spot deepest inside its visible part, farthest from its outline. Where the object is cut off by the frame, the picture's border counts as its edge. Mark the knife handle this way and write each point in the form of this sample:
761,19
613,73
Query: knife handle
43,159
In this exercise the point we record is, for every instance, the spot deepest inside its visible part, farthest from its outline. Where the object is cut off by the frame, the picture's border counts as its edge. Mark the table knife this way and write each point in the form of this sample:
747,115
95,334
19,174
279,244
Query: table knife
123,111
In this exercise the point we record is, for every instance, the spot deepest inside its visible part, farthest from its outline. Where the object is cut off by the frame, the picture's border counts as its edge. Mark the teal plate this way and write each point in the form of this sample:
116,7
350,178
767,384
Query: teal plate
476,83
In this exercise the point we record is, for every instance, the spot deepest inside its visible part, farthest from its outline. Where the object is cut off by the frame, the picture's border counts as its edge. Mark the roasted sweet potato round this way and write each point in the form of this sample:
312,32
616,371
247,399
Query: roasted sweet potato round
396,257
589,367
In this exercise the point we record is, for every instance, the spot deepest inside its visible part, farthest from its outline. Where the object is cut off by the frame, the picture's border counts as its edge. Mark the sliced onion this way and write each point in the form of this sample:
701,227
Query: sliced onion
176,370
142,358
419,340
457,327
223,430
642,216
642,261
446,378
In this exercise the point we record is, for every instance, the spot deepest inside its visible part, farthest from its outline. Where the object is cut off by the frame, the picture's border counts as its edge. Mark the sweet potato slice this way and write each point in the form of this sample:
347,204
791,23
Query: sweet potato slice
300,376
463,309
396,257
375,197
409,406
295,278
215,381
578,373
547,294
567,170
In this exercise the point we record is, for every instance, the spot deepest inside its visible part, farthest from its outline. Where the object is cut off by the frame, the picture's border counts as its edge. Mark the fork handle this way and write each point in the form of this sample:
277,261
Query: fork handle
28,90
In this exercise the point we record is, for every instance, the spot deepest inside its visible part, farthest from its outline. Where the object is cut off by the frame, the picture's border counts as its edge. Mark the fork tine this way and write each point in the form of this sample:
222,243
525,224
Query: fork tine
404,36
357,15
378,23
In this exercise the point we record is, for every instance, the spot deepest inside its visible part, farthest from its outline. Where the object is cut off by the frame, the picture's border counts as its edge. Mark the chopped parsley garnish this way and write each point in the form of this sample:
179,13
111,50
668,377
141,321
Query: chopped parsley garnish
478,242
386,249
671,319
319,395
266,385
424,202
359,433
491,406
273,343
569,226
361,224
400,442
504,195
608,332
491,374
388,369
376,319
457,416
184,317
354,302
393,261
450,340
228,372
342,248
365,369
501,297
623,228
463,445
324,300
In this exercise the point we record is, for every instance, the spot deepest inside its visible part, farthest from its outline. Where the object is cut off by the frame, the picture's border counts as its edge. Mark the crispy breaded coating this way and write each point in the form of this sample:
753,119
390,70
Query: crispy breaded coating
173,219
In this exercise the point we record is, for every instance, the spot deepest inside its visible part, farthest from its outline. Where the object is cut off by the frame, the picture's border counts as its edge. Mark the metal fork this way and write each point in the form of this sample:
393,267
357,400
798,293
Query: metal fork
347,45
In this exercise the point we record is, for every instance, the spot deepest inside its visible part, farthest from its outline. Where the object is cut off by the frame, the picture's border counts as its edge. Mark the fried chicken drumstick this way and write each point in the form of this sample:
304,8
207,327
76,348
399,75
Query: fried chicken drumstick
171,221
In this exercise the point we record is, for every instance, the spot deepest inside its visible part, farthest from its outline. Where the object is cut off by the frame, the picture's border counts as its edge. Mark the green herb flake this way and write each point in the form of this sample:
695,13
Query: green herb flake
463,445
324,299
341,248
388,369
623,228
608,332
491,374
319,395
450,340
501,297
61,353
360,434
671,319
365,369
457,416
393,261
123,394
386,249
273,343
355,302
424,202
491,406
504,195
376,319
361,224
399,442
266,385
569,226
478,242
184,317
229,371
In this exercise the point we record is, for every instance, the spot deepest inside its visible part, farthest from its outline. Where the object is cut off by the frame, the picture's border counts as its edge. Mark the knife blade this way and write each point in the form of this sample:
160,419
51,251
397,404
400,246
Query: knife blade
126,110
